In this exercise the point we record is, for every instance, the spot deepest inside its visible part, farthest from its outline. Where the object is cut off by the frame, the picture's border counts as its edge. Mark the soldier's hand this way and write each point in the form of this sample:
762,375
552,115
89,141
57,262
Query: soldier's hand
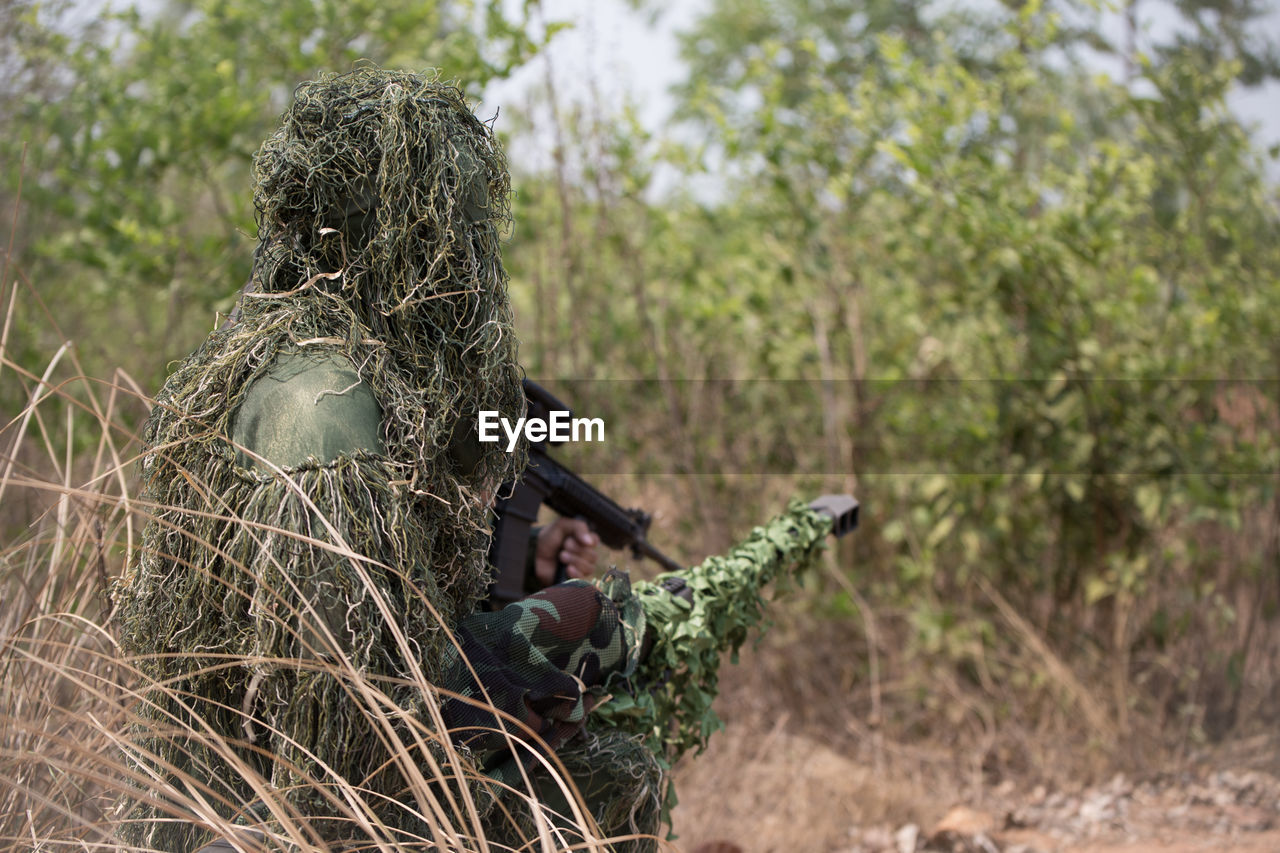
569,541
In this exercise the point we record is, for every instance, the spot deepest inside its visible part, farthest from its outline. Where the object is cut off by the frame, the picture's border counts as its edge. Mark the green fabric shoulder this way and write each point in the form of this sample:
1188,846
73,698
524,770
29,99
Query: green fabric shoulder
306,405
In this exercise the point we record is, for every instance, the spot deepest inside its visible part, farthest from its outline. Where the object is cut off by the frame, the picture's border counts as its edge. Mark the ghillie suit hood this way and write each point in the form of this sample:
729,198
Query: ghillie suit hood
380,203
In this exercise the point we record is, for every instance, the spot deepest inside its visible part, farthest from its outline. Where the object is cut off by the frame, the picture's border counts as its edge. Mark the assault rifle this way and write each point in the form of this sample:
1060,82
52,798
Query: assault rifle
546,481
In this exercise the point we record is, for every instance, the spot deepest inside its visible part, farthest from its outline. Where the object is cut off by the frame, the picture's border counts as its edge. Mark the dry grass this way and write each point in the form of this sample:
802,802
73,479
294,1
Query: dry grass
817,744
70,522
830,725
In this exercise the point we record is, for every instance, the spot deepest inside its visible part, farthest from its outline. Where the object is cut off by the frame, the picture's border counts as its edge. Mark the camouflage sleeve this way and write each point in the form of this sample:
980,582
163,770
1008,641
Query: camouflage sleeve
544,662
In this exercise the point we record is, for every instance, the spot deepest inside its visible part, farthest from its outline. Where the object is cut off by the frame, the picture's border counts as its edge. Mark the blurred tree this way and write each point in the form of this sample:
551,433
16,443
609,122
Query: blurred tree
1226,31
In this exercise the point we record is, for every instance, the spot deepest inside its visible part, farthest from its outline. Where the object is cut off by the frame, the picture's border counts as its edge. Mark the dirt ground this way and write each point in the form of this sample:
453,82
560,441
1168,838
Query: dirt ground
774,782
786,792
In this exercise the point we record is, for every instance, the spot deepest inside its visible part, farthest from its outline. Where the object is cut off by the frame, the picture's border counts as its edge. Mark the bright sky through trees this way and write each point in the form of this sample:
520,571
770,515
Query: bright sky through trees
615,52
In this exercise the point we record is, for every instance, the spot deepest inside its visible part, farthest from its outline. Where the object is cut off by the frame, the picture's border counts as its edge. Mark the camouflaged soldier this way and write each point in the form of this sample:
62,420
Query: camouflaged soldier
321,522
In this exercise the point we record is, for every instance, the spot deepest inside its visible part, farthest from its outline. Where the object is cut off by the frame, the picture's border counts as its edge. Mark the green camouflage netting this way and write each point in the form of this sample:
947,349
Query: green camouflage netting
670,707
380,204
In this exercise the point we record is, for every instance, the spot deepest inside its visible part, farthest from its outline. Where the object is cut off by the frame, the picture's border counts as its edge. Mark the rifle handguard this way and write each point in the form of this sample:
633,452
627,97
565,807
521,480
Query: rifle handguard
843,510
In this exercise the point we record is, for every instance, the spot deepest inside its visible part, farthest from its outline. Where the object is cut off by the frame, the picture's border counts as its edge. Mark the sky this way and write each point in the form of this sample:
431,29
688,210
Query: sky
625,54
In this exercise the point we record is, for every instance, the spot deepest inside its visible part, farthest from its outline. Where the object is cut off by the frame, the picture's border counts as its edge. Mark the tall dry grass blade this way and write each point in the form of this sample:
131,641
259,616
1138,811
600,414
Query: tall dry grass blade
27,414
104,419
117,467
60,524
8,316
873,654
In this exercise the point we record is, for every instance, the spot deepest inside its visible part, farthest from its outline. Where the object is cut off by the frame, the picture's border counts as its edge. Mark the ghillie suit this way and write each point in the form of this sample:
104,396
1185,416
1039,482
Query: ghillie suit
275,601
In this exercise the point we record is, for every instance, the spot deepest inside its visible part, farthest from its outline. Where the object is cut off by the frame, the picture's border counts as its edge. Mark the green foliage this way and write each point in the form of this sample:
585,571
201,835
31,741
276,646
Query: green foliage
1027,313
1217,33
668,702
1031,311
137,163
